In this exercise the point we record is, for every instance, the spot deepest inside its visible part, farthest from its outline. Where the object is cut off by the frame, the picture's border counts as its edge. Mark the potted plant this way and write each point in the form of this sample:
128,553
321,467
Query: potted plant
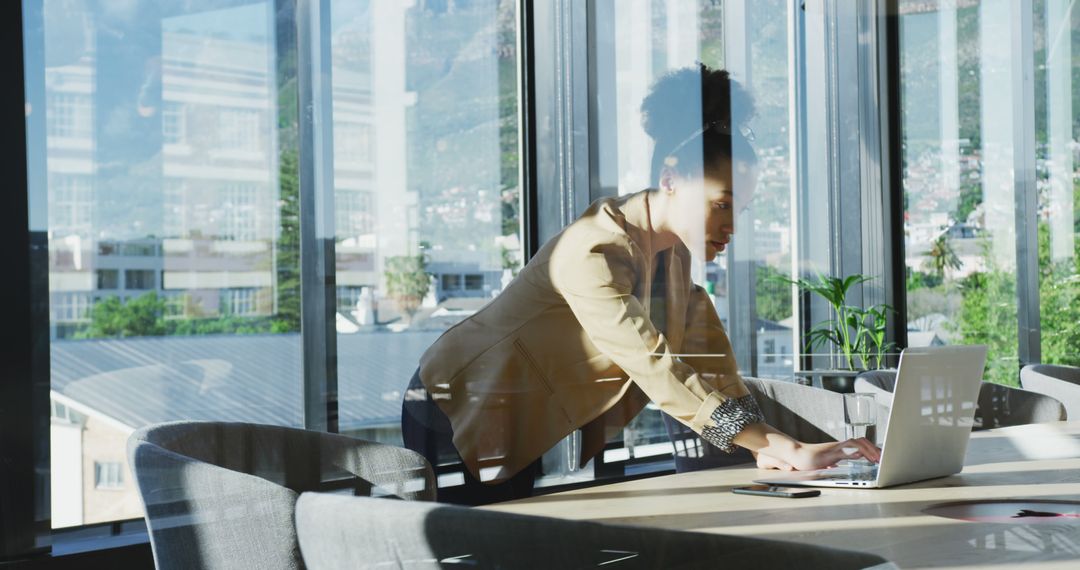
856,335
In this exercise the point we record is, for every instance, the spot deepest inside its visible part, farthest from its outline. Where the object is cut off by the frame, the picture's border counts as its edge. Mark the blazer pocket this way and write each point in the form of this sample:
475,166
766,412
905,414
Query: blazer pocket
537,371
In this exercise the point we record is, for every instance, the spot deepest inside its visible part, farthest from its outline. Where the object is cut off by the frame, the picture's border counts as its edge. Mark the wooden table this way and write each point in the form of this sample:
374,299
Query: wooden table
1039,461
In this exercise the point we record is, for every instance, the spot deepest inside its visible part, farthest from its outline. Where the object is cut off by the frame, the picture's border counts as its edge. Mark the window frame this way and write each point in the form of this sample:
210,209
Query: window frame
24,428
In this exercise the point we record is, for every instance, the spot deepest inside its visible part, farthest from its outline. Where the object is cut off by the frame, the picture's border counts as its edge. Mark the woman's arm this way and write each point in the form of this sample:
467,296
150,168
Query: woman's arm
598,286
775,449
705,335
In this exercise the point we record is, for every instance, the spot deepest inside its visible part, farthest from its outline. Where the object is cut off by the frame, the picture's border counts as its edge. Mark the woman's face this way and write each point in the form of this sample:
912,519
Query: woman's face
707,230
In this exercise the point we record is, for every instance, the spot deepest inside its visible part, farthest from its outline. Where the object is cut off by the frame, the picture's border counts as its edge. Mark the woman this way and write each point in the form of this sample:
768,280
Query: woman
605,318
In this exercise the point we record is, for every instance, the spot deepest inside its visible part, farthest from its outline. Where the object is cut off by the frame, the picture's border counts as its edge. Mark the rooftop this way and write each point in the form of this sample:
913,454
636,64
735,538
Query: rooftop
249,378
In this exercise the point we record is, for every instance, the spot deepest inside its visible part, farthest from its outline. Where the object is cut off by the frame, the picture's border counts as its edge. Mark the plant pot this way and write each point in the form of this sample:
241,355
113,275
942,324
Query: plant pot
842,381
836,383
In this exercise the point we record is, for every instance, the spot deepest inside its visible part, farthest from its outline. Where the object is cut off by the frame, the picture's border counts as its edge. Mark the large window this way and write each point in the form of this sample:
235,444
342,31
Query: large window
649,39
167,198
1057,131
182,154
425,187
975,212
638,43
960,220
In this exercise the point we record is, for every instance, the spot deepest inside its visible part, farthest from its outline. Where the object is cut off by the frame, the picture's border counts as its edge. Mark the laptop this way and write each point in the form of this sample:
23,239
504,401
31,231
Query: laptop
933,411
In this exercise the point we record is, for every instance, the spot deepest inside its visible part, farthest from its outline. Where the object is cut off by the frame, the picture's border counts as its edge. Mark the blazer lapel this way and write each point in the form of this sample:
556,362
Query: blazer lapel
678,281
635,222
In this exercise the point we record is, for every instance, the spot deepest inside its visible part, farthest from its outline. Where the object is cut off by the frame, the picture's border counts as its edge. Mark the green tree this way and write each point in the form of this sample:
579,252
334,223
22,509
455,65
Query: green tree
988,316
228,324
145,316
286,316
942,257
142,316
287,266
988,312
919,280
1059,303
970,198
773,296
407,282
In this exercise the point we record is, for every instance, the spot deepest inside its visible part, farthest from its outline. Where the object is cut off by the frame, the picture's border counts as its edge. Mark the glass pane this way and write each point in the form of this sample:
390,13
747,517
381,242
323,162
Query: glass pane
1057,122
767,224
426,191
170,208
759,61
960,225
639,43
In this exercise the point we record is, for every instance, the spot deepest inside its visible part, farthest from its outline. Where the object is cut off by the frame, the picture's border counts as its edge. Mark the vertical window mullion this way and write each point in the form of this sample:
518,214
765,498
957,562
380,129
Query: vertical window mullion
892,166
846,133
24,393
873,159
561,113
318,306
742,264
527,173
1024,187
813,208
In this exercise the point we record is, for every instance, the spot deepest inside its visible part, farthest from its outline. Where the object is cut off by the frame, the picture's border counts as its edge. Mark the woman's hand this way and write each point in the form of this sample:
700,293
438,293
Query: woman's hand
776,450
770,462
810,456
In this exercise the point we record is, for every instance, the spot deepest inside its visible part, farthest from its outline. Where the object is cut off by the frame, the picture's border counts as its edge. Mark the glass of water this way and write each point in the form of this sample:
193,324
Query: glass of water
860,412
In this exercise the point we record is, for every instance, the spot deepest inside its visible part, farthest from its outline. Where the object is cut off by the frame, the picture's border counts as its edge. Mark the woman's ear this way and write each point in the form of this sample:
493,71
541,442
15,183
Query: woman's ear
667,179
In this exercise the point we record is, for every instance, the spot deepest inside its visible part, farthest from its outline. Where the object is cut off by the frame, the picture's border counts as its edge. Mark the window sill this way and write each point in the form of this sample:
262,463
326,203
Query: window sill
104,536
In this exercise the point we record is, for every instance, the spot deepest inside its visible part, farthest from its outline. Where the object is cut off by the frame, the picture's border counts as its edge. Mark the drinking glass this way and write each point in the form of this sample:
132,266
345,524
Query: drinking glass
860,412
573,450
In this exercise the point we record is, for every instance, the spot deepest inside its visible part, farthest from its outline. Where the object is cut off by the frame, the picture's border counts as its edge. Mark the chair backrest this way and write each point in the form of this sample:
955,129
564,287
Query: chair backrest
1002,406
998,405
1070,374
878,382
338,533
1059,382
222,495
808,414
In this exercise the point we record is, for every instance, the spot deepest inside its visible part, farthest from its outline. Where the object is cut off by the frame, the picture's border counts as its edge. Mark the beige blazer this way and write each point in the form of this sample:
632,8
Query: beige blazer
570,344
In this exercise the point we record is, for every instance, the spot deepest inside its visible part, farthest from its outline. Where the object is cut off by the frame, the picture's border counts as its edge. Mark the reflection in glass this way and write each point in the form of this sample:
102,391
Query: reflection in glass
959,219
171,220
650,39
1057,25
426,191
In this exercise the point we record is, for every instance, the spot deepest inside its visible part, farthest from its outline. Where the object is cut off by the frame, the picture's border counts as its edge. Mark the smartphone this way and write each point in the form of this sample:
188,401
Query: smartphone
775,491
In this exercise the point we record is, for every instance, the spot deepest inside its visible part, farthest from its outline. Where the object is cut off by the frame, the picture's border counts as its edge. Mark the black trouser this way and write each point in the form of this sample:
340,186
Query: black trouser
426,430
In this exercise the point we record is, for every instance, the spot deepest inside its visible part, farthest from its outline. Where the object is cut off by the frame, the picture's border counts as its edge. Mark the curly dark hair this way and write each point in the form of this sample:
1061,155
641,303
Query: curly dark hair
696,142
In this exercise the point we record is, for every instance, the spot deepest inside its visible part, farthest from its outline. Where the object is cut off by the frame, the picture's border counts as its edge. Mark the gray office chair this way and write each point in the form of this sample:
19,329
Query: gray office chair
808,414
345,533
811,415
879,383
998,406
222,495
1059,382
